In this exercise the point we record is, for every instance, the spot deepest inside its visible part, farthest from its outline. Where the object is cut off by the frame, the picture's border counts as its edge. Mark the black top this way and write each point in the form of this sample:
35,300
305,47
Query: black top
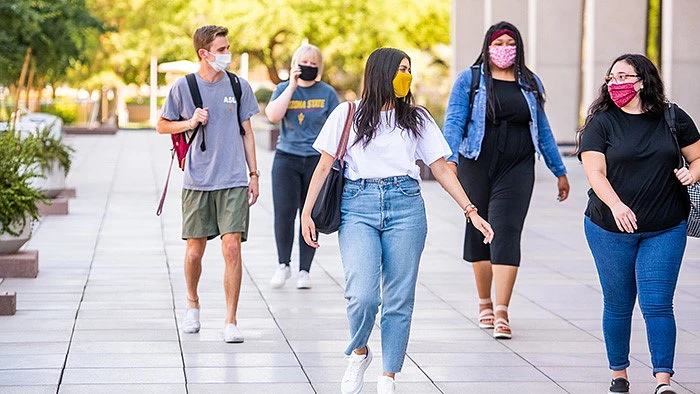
640,156
511,105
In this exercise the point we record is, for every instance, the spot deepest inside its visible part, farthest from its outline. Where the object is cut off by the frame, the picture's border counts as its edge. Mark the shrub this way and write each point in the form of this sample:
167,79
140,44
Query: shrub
263,95
65,109
46,149
18,199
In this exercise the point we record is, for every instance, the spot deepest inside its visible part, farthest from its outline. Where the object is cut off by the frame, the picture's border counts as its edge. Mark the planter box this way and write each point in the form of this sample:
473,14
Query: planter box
57,206
53,182
139,112
9,244
8,304
24,264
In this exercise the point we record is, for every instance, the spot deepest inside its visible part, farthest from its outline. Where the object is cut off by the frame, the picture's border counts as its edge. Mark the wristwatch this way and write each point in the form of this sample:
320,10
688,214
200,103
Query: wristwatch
254,173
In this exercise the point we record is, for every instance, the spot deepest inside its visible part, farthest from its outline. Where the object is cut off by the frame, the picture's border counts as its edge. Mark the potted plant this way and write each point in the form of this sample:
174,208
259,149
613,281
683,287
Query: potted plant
52,159
18,198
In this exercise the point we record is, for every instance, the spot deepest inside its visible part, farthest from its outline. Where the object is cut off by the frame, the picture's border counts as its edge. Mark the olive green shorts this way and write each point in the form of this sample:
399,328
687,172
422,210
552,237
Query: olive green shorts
206,214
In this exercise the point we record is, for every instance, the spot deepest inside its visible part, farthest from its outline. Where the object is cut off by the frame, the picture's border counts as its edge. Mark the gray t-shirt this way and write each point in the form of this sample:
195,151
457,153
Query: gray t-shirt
222,165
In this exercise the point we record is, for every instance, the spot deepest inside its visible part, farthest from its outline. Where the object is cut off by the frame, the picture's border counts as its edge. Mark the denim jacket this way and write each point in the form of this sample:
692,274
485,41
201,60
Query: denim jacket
470,147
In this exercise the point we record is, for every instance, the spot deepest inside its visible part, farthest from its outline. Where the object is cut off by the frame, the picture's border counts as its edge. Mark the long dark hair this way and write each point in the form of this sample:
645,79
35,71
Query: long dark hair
378,93
521,71
652,95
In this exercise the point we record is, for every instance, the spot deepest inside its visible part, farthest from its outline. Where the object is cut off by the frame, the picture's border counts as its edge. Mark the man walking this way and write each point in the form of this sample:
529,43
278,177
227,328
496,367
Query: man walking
216,192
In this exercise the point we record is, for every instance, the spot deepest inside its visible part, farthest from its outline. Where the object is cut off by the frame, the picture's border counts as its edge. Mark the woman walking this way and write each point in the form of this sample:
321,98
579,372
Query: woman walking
635,221
383,227
493,141
302,104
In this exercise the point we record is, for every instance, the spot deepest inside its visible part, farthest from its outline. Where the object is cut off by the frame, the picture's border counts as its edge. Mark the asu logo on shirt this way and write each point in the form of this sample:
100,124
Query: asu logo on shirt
230,100
300,105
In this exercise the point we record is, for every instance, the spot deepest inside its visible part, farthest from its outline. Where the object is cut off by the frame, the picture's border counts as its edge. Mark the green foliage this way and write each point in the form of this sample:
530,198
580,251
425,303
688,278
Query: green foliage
67,110
263,95
47,149
18,199
57,31
144,100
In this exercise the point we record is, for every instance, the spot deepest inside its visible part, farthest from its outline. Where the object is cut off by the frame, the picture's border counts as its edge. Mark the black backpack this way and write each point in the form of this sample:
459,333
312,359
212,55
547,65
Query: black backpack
180,144
197,99
476,78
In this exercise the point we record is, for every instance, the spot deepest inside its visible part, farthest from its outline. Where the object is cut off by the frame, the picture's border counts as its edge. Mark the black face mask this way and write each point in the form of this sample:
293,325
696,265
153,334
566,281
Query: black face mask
308,73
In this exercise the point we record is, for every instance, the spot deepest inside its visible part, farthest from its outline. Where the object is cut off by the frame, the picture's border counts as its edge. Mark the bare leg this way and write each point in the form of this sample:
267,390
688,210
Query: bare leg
504,279
661,377
231,247
621,374
193,268
483,275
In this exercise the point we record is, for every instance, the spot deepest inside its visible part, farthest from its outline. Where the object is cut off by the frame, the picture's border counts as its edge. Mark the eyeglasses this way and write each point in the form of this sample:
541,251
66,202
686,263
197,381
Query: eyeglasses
620,78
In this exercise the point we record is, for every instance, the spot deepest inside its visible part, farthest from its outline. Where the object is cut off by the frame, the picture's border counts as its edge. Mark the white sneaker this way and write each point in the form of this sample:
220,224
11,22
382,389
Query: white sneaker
386,385
281,275
190,325
232,334
354,377
303,280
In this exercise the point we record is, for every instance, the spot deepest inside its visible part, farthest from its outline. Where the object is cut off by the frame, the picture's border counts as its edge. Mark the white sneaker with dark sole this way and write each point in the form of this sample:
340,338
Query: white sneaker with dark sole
232,334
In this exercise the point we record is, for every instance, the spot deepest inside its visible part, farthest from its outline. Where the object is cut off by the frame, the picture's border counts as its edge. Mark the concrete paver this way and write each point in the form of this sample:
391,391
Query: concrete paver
103,314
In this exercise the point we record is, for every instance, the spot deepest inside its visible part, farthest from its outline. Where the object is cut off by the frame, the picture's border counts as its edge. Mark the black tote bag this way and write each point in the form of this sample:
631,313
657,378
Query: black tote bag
326,210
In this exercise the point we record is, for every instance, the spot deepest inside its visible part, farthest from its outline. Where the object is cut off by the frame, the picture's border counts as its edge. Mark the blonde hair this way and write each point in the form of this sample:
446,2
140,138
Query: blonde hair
308,50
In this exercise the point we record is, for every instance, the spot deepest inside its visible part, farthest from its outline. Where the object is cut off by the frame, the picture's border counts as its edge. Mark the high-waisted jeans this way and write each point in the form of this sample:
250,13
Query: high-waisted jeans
646,263
381,236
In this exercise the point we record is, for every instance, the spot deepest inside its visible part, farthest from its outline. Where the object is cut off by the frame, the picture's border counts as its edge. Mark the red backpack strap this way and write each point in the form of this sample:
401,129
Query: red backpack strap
165,189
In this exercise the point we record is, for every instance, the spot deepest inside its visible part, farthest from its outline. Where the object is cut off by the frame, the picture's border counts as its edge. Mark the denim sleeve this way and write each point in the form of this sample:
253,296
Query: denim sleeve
548,146
456,113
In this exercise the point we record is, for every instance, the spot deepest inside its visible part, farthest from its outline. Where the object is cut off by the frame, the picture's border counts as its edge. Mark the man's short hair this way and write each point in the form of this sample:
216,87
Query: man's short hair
205,35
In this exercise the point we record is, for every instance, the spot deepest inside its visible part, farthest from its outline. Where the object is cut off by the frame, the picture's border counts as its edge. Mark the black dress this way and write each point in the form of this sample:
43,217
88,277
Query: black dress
500,181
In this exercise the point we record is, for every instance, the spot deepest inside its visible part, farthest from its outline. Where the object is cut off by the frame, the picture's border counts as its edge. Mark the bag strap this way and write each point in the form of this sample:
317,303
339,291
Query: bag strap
197,99
238,93
165,189
670,118
343,145
476,78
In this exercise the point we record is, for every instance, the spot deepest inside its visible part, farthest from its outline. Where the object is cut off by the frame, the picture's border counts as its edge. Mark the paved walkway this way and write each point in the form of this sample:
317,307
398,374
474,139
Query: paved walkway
103,314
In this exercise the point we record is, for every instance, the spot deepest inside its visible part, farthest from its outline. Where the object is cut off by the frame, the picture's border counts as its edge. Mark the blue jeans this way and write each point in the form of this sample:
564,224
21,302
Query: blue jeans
646,263
381,237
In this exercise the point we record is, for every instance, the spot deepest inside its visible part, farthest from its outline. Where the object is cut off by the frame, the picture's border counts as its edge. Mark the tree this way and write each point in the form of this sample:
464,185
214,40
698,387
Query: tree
346,31
45,38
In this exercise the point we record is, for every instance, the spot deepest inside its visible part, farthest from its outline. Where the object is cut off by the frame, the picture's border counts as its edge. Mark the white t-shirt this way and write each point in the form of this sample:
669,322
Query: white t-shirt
392,152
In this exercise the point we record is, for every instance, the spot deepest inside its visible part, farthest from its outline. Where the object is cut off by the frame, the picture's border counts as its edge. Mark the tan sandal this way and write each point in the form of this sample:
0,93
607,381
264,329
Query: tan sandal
501,329
486,315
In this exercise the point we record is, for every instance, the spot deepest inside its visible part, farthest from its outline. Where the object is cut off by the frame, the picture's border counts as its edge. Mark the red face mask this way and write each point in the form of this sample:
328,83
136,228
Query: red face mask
622,93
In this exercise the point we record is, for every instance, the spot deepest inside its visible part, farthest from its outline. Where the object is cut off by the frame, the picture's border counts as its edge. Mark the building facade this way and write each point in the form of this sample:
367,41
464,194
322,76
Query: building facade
571,43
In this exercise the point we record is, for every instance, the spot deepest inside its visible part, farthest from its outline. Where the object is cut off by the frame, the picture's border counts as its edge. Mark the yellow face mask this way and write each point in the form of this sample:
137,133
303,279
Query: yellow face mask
402,84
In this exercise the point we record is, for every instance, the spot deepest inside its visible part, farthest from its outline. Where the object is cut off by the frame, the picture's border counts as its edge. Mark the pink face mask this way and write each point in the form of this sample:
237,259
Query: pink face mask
502,56
622,93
